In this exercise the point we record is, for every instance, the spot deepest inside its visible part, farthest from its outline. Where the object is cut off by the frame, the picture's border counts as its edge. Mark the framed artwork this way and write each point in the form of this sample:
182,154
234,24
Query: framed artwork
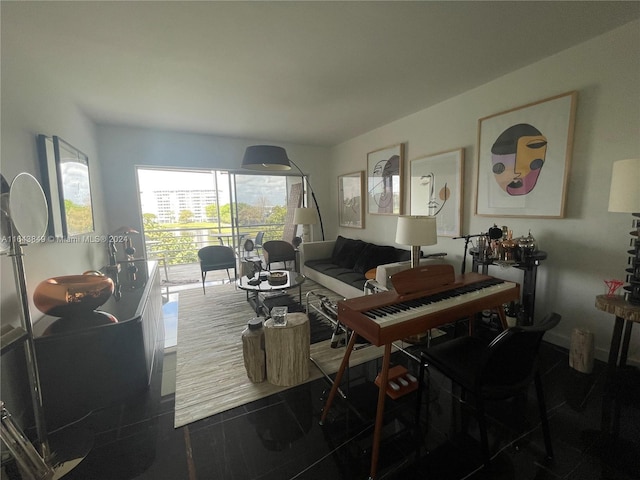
436,189
524,156
384,180
350,204
65,172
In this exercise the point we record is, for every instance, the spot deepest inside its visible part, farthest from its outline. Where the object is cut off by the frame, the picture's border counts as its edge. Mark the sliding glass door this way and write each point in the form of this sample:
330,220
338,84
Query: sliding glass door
184,210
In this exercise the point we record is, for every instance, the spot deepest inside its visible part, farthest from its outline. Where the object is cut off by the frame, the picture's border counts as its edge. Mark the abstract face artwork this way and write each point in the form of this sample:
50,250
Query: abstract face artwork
386,170
517,157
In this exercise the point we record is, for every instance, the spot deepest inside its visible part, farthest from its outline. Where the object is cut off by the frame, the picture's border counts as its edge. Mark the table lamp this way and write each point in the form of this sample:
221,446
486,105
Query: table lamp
305,216
624,197
416,231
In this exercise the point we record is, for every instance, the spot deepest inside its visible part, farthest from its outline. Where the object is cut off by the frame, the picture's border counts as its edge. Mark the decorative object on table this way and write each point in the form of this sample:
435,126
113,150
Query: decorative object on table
255,361
436,189
305,216
65,173
509,249
277,278
273,158
523,159
72,295
279,316
624,197
612,286
350,201
123,235
385,177
527,245
416,231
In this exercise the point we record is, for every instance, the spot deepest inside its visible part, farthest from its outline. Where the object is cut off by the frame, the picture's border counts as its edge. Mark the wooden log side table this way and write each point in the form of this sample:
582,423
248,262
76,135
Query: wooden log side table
288,350
626,314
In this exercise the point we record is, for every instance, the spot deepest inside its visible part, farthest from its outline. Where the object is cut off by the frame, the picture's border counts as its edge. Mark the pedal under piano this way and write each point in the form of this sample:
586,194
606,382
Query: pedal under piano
423,298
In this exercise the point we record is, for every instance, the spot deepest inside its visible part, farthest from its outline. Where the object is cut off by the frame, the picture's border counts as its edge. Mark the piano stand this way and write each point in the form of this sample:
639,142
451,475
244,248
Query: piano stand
437,311
384,378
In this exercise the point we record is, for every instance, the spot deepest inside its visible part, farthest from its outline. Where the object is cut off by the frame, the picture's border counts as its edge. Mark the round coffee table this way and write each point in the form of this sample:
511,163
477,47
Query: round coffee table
254,289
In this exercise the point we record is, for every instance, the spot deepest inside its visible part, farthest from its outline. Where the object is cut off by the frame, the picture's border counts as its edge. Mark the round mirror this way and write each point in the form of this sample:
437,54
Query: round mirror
5,231
28,208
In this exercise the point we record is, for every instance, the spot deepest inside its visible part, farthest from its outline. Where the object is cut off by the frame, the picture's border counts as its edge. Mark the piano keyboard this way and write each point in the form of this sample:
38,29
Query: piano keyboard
399,312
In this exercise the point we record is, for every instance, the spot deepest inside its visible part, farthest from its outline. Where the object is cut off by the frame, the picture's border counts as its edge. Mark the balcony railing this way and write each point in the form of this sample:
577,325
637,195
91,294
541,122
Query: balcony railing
179,246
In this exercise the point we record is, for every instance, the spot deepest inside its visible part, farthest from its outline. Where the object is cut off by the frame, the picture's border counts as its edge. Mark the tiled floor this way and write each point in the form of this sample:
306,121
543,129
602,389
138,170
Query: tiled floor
279,437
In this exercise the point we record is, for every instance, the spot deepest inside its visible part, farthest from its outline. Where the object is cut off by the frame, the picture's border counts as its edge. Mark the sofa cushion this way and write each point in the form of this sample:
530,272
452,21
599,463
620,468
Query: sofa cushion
373,255
327,267
346,251
355,279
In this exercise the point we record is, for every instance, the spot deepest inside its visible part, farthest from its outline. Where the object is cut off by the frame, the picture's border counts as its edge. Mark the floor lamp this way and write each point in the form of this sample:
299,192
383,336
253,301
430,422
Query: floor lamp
270,158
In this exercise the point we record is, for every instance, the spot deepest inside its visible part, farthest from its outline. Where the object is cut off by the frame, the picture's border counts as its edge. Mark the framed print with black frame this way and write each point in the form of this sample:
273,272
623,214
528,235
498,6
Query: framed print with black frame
385,180
65,172
524,155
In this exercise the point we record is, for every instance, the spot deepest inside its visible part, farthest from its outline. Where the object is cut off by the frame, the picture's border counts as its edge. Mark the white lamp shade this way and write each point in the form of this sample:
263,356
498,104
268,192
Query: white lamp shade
416,230
305,216
624,195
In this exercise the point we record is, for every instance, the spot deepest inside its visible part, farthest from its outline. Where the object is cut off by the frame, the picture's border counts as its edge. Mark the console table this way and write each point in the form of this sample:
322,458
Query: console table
529,265
89,368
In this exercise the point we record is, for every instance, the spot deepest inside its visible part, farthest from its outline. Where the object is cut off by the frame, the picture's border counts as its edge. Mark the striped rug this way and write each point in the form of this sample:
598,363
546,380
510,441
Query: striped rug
210,374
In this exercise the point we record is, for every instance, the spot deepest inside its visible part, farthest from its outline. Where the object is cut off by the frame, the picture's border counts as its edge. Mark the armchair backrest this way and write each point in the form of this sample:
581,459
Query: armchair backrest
214,257
278,251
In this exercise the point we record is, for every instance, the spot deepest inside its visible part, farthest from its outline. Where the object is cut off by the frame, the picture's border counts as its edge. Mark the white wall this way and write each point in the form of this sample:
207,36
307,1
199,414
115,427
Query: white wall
588,245
32,105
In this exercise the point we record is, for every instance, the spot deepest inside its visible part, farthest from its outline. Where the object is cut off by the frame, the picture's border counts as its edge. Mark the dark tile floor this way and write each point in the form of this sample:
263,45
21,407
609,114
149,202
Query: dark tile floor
279,437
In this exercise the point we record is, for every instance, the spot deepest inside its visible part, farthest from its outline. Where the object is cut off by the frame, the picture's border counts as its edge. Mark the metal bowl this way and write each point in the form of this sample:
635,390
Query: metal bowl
70,295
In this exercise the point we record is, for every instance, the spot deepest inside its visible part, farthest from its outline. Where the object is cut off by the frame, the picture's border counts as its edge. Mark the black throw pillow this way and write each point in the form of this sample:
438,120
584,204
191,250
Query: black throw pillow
374,255
337,249
349,253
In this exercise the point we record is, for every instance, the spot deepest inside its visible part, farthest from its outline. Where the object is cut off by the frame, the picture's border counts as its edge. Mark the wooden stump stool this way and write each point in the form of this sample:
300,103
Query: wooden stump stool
287,350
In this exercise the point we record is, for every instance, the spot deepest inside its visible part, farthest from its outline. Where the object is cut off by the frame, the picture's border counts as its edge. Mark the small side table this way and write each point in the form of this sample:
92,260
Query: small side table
626,314
288,350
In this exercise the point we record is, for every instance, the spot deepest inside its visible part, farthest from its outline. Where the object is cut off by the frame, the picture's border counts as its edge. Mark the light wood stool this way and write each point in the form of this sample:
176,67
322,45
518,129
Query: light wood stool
287,349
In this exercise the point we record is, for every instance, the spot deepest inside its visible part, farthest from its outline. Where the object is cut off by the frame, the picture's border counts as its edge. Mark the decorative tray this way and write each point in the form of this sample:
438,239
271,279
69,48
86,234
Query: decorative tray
277,278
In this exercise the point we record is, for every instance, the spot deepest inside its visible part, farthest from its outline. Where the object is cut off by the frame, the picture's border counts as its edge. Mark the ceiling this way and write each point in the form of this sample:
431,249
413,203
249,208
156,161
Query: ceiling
315,73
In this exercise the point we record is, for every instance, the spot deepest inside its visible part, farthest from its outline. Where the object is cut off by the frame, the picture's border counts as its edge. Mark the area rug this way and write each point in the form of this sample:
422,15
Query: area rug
210,373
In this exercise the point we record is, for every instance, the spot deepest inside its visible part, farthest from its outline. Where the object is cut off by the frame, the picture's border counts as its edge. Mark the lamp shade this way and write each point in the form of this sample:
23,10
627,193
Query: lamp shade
624,195
305,216
416,230
266,158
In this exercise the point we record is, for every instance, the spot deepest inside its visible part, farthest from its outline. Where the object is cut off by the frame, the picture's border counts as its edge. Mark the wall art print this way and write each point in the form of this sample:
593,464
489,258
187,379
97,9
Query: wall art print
524,155
436,189
384,180
350,204
67,186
